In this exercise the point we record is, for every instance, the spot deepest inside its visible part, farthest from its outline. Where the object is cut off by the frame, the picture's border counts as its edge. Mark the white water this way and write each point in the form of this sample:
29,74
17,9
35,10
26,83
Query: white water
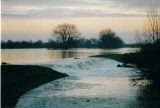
92,83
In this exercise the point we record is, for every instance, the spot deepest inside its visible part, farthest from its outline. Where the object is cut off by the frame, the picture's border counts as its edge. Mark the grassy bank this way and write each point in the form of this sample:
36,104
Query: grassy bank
117,57
18,79
132,58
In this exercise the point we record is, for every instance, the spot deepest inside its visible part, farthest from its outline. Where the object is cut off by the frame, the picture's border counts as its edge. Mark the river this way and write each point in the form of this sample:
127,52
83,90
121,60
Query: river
92,83
27,56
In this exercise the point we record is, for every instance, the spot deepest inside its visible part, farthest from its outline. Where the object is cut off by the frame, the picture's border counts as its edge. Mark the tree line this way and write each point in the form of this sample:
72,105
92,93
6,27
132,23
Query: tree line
51,44
80,43
69,36
66,36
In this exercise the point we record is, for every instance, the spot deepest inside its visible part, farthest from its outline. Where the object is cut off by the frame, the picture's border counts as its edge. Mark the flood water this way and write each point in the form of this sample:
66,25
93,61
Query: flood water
92,82
26,56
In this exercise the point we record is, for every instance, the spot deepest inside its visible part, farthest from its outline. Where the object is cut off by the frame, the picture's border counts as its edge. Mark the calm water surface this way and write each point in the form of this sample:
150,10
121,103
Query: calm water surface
25,56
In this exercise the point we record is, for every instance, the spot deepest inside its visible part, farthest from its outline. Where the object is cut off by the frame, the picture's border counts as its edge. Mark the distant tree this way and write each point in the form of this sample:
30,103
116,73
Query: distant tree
38,44
81,43
52,44
108,39
22,44
67,34
91,43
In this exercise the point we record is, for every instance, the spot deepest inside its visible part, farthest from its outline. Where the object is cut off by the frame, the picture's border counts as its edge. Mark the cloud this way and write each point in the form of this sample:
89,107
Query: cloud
20,10
46,2
74,8
142,4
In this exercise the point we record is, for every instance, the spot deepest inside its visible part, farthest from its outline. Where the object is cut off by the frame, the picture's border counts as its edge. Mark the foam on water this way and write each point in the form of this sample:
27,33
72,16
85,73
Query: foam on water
92,82
89,66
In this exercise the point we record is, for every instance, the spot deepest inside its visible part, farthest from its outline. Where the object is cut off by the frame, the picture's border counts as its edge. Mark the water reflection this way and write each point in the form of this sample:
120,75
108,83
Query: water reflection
23,56
68,54
149,96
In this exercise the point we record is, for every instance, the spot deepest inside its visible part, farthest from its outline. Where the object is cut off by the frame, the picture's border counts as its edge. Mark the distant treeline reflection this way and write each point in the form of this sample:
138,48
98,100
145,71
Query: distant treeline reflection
81,43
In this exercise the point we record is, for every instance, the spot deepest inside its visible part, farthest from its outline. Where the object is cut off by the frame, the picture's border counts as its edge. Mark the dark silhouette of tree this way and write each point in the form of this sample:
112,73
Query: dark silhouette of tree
39,44
22,44
151,30
67,34
148,58
91,43
52,44
108,39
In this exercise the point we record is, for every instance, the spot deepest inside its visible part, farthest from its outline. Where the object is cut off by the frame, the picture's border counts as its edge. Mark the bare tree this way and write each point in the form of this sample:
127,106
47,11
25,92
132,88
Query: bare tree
151,30
66,34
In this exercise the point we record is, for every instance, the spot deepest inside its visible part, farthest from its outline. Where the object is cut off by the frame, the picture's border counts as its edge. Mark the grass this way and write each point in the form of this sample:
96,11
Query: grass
18,79
117,57
132,58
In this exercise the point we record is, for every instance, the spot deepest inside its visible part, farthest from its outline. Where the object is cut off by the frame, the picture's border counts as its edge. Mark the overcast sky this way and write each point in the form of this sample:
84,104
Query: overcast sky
34,19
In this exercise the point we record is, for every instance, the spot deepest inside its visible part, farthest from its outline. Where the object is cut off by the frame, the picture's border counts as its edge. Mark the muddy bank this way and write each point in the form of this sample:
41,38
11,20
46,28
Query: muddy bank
18,79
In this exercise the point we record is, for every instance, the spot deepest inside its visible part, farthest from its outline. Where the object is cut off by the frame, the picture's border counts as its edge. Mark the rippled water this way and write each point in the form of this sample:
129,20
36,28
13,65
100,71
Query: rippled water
92,83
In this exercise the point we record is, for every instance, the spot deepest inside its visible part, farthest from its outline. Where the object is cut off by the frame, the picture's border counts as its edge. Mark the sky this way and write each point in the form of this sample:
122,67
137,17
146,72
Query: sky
35,19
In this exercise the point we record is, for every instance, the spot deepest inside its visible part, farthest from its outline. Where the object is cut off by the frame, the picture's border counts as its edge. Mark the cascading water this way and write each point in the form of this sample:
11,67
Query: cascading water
92,83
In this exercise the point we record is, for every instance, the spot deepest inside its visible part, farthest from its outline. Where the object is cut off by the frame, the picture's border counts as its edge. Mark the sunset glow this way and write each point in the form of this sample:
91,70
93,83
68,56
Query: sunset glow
21,19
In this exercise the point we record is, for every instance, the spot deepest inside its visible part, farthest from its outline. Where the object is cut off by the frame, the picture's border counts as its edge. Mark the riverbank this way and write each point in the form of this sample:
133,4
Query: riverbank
147,63
131,58
18,79
117,57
